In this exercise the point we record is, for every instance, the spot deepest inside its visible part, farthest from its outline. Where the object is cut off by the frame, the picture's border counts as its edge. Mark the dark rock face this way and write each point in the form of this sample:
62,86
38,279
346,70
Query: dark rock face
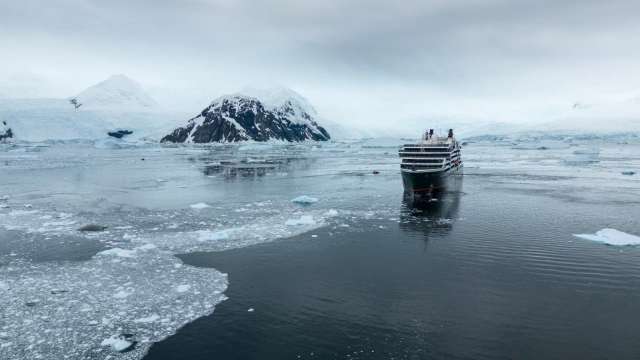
5,131
119,133
237,118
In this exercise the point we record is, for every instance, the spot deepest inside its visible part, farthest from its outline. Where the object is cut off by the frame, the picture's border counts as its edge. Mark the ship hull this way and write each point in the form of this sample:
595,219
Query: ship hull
429,182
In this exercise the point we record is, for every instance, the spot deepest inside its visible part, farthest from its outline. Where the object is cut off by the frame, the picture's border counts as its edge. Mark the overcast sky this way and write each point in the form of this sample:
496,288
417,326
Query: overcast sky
357,61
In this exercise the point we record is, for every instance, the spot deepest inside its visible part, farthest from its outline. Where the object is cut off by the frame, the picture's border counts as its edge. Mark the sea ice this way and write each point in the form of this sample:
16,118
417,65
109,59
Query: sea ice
183,288
148,319
117,343
611,237
304,200
331,213
119,252
42,322
208,235
200,206
302,220
259,230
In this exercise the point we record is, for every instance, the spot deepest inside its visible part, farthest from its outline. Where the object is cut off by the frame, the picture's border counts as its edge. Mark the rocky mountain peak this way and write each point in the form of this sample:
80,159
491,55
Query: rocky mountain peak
242,116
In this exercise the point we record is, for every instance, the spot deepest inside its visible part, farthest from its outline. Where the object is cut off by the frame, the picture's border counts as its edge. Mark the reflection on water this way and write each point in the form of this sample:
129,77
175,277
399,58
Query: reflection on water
426,213
231,165
233,169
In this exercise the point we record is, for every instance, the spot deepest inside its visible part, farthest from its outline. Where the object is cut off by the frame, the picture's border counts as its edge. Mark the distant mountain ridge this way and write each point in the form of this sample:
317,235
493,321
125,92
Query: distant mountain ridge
272,115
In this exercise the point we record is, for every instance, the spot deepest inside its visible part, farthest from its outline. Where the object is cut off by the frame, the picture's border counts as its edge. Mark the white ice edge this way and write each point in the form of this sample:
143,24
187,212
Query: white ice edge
138,287
611,237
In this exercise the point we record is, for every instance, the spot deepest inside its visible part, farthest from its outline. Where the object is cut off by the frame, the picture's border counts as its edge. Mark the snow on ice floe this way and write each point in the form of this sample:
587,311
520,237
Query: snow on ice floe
118,252
118,343
200,206
98,308
304,200
611,237
38,221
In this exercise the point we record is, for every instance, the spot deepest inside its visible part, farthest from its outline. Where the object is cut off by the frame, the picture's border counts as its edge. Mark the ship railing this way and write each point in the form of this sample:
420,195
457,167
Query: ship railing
416,153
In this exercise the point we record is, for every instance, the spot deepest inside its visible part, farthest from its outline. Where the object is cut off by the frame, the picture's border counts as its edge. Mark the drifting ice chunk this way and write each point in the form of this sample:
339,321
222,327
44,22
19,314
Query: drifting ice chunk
121,294
183,288
207,235
303,220
199,206
119,252
611,237
331,213
117,343
148,319
305,200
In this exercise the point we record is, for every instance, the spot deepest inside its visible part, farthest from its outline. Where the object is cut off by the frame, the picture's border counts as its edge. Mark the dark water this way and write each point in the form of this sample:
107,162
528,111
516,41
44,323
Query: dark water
504,279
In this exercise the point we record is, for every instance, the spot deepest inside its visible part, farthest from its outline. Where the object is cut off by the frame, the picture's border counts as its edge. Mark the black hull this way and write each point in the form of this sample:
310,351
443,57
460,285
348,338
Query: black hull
430,182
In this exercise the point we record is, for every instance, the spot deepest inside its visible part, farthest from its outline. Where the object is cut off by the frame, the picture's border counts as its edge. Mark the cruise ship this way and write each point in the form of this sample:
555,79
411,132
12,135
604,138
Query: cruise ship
430,165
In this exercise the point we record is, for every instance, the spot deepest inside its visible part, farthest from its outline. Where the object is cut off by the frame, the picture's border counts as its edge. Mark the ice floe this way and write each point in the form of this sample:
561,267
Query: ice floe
183,288
304,200
331,213
118,252
302,220
118,343
611,237
148,319
200,206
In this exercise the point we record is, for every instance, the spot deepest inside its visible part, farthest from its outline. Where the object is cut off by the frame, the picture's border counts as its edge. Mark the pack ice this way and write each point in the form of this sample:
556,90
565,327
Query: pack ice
113,306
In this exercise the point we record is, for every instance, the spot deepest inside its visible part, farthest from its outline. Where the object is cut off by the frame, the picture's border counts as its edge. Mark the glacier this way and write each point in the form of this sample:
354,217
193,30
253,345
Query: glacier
113,104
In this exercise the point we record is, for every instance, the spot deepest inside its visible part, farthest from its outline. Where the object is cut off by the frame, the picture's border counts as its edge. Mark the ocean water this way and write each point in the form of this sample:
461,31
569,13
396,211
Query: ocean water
206,255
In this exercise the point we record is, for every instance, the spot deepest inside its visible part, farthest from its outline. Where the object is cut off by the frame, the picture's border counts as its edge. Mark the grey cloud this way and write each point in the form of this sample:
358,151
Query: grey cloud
475,51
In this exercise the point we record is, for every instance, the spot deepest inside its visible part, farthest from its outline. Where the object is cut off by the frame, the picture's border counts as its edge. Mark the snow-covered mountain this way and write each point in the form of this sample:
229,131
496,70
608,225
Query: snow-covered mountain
116,103
117,92
611,114
259,115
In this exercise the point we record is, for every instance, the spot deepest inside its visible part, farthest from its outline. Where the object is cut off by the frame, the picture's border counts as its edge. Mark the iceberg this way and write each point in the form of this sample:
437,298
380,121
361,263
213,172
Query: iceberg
611,237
